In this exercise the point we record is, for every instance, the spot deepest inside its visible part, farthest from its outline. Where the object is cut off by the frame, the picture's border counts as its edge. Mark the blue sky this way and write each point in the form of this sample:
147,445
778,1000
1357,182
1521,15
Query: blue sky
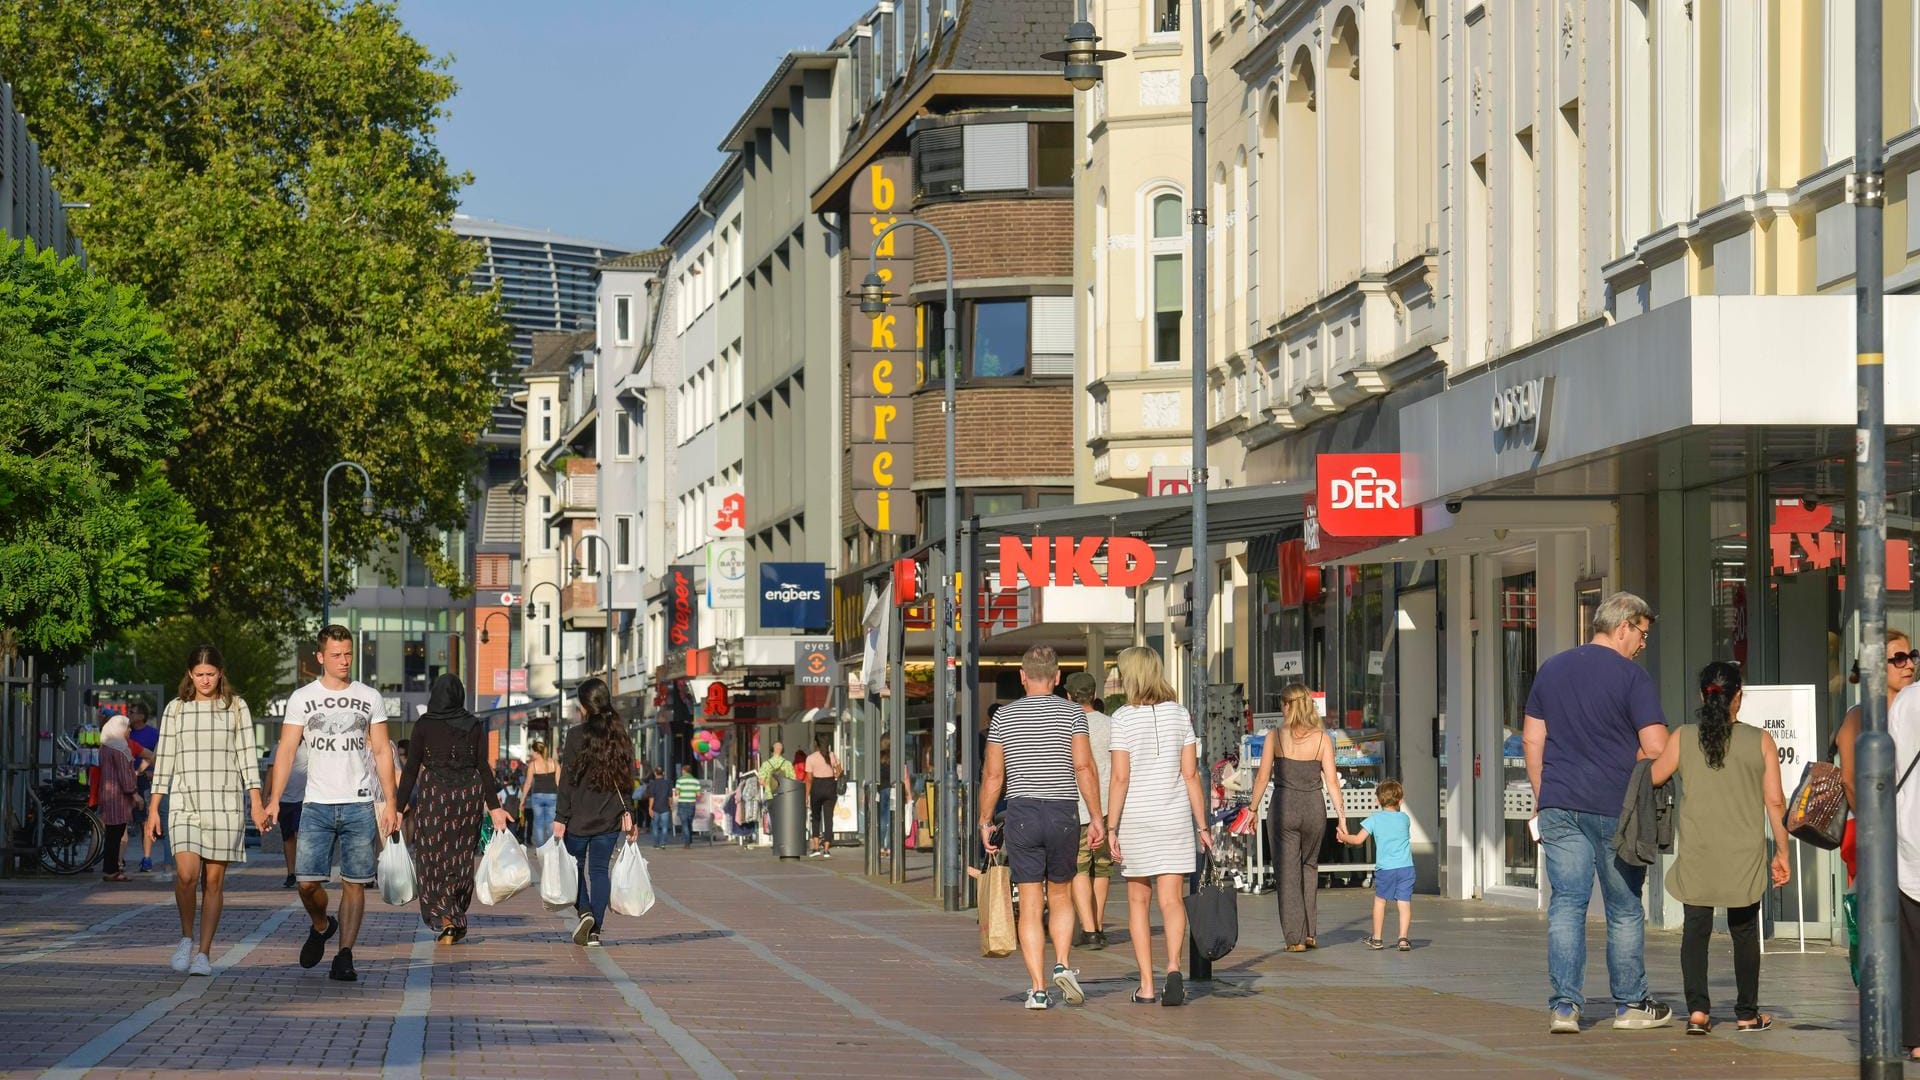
599,118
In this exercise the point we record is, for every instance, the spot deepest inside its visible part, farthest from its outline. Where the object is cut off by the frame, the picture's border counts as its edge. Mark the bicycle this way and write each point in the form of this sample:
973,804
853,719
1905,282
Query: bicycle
69,837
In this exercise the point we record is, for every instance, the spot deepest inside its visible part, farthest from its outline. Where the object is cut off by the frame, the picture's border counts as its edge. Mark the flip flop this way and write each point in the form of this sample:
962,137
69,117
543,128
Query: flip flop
1138,1000
1176,990
1699,1027
1761,1023
1406,945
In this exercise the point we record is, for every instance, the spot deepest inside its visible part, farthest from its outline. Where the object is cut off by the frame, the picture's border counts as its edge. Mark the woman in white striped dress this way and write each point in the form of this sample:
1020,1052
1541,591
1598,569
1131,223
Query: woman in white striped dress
1157,809
207,766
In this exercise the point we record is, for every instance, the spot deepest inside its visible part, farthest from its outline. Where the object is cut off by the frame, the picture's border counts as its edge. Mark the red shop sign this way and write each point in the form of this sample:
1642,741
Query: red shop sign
1360,495
1299,579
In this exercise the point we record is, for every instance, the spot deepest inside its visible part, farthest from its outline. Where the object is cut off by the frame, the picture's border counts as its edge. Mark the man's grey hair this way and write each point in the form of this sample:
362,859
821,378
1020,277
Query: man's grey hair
1040,662
1620,609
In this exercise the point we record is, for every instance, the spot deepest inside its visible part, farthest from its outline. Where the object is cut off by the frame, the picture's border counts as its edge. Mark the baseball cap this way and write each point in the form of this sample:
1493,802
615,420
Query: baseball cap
1081,684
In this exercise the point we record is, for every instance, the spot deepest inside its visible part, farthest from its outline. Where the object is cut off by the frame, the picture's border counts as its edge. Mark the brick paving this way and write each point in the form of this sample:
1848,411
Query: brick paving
752,968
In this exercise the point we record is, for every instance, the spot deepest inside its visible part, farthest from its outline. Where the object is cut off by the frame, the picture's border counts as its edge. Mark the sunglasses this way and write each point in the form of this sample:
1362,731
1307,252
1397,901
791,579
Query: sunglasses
1902,659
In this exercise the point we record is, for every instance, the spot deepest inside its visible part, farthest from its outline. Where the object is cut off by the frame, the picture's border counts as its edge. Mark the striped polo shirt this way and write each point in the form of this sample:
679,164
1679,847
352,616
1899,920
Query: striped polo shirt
687,788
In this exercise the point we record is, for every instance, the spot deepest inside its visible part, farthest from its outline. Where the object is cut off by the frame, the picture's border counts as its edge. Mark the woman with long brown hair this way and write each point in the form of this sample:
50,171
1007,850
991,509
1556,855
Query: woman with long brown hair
207,769
596,777
448,790
1297,820
543,792
1901,659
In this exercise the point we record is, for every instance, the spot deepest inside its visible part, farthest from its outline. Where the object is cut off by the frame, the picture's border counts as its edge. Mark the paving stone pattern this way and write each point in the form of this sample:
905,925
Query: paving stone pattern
753,968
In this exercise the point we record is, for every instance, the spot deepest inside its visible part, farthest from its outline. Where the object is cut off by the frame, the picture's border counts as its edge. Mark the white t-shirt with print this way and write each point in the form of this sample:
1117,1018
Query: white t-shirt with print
339,769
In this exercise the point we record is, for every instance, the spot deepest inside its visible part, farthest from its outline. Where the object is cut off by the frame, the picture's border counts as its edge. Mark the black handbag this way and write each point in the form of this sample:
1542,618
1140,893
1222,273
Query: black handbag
1213,915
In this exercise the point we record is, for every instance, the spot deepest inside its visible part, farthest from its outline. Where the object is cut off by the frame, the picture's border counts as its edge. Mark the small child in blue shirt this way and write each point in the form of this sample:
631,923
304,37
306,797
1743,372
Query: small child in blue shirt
1392,833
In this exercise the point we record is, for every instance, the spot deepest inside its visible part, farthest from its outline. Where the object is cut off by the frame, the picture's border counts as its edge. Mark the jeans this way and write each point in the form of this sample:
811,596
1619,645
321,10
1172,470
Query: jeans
662,828
1579,845
1744,925
594,854
685,814
541,808
886,819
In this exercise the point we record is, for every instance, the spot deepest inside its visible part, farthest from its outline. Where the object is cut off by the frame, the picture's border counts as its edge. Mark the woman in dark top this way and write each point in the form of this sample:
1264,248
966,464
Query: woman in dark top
445,791
596,775
543,792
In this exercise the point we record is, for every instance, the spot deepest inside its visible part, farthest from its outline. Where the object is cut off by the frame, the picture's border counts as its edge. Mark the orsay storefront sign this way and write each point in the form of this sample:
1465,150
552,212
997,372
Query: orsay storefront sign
1522,406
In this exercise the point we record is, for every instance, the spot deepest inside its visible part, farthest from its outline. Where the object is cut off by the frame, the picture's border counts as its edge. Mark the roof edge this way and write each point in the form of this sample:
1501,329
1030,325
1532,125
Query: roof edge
798,60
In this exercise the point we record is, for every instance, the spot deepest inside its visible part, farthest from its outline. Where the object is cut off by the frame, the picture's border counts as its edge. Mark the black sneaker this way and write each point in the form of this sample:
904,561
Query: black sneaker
593,940
1099,941
1080,937
289,883
316,945
343,967
1641,1015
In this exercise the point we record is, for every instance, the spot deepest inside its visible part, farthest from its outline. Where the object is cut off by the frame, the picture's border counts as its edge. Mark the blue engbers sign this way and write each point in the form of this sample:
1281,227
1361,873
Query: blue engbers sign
794,595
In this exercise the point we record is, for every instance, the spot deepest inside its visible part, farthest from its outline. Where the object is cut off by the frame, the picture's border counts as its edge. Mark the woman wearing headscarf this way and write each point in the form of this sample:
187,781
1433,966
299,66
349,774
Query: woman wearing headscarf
446,790
117,790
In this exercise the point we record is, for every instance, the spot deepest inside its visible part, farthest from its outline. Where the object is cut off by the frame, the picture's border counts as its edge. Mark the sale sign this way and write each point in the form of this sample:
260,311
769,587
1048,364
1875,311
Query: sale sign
1360,495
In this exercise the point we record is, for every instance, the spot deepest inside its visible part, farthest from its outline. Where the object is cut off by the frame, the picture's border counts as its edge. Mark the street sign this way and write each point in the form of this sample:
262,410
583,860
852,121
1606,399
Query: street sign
764,683
508,599
813,663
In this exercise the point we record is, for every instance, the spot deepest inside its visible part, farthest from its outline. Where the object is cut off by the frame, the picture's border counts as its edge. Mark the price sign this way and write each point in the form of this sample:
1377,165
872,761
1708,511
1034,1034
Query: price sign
1788,713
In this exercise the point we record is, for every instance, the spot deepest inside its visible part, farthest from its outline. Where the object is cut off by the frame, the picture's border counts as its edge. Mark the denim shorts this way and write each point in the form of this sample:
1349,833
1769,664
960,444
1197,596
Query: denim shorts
1394,884
336,832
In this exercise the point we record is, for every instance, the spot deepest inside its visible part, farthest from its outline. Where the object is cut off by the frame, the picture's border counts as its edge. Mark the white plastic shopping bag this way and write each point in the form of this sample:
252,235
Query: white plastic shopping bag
559,875
632,885
396,873
503,870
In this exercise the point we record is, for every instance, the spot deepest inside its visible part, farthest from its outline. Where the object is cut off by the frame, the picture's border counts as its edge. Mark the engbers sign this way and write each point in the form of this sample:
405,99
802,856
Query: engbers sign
884,370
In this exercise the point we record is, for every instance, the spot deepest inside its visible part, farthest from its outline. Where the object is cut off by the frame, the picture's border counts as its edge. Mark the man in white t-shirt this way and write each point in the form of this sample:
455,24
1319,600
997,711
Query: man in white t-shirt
1093,875
341,726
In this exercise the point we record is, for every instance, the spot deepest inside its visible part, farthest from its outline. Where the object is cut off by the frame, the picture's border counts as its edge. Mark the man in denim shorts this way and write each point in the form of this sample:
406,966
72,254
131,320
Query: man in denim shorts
340,727
1037,748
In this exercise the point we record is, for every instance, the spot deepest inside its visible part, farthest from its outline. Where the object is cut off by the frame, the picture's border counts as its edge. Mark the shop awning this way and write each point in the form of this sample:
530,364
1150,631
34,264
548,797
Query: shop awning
1233,515
511,713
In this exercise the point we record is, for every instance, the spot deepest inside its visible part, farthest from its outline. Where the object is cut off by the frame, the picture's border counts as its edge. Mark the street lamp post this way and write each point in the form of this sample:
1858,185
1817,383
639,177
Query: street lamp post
873,301
1082,58
606,571
326,529
559,665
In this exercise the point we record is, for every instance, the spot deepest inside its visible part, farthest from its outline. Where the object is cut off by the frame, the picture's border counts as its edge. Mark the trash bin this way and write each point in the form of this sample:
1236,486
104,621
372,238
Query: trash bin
789,818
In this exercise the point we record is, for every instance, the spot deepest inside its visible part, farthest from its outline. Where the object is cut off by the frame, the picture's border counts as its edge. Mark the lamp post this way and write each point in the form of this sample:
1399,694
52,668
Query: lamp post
326,529
606,570
1082,59
873,301
559,666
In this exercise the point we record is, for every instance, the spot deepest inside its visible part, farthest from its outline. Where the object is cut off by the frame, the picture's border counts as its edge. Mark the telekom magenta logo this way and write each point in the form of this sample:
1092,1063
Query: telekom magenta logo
1360,495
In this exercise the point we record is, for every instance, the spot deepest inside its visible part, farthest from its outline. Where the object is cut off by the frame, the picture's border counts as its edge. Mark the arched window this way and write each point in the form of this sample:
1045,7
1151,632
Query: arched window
1167,263
1343,150
1300,194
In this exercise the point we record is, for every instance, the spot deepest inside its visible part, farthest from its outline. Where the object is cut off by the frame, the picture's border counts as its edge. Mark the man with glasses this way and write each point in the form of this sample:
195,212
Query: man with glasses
1592,713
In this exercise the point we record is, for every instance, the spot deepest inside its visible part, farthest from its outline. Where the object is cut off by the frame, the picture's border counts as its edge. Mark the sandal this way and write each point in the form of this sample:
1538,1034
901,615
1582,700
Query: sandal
1176,990
1699,1027
116,876
1138,1000
1375,943
1758,1023
446,936
1312,944
1296,948
1406,945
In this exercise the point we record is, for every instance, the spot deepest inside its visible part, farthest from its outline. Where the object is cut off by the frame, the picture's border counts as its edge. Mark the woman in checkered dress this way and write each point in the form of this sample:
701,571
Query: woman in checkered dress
207,766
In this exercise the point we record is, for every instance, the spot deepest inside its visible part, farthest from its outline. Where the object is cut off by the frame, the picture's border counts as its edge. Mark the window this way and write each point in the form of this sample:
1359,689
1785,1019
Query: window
546,421
1052,155
994,157
1166,16
1166,265
1053,335
546,631
926,24
546,523
623,542
589,550
622,433
623,320
937,161
999,338
933,358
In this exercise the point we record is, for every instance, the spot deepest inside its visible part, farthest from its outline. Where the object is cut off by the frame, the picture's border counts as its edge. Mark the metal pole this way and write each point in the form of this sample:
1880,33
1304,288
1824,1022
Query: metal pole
944,711
1197,966
897,704
871,719
937,729
1880,1034
326,530
969,701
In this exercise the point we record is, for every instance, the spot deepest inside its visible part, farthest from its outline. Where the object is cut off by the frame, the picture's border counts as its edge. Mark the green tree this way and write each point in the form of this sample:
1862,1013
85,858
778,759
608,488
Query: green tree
264,171
92,536
157,652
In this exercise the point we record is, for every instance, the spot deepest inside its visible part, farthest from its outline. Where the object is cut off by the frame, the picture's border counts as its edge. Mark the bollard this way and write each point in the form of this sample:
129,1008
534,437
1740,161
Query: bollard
789,818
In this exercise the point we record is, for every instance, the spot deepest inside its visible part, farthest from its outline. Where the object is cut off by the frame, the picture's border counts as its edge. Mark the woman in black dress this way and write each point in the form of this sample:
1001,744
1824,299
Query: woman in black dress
445,791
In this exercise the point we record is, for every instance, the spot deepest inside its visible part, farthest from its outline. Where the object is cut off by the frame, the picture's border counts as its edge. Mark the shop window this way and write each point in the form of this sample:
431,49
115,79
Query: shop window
999,338
1052,155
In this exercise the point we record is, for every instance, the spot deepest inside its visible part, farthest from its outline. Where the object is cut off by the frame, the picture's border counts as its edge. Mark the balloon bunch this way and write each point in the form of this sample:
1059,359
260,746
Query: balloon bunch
706,744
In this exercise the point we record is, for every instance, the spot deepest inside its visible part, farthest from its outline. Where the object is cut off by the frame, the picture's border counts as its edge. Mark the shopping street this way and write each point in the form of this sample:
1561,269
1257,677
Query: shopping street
752,968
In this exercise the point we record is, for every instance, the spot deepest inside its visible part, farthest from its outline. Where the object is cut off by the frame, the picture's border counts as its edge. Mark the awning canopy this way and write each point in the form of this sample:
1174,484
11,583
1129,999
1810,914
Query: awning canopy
513,712
1233,515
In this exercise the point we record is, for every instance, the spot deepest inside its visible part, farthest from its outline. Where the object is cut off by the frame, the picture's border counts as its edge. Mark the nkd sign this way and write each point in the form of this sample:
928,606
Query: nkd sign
1116,561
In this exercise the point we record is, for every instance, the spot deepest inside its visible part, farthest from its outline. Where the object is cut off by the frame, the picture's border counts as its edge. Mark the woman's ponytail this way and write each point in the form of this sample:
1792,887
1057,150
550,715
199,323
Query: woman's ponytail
1719,683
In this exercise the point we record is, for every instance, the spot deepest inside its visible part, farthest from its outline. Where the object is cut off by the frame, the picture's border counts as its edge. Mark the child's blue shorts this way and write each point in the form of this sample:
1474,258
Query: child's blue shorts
1395,884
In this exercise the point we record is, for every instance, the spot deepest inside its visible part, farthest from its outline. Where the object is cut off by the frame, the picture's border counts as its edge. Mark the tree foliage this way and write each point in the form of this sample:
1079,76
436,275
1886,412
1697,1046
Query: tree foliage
264,171
92,535
156,652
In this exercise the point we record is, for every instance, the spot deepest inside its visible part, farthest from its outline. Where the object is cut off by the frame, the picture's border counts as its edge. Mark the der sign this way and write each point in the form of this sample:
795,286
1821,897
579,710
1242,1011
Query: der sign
1360,495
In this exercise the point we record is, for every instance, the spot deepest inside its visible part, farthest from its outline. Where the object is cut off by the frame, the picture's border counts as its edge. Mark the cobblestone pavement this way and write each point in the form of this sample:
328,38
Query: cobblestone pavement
752,968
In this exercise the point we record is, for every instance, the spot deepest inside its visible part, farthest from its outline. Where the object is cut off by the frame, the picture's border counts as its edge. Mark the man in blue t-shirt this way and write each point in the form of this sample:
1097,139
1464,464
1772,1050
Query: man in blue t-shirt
1591,714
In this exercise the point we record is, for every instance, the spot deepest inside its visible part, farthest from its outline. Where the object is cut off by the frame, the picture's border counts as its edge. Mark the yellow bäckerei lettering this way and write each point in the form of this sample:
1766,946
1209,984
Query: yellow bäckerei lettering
879,225
882,468
882,416
882,328
883,511
882,187
883,376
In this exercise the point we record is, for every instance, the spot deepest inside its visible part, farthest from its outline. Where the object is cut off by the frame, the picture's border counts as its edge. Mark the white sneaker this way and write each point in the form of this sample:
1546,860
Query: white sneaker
201,965
1068,980
1037,1000
182,955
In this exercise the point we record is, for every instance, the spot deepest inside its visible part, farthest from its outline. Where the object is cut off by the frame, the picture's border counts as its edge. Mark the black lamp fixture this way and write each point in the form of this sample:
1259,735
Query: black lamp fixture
1082,57
873,295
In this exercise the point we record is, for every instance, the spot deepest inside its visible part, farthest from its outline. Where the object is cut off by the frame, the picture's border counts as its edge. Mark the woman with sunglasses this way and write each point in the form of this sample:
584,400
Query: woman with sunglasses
1901,659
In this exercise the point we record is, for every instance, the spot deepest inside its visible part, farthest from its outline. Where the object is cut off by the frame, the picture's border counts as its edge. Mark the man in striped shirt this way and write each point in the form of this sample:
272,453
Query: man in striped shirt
686,795
1037,748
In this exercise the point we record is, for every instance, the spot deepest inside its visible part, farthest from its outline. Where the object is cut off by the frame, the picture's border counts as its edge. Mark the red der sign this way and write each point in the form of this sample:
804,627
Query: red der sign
1360,495
1069,560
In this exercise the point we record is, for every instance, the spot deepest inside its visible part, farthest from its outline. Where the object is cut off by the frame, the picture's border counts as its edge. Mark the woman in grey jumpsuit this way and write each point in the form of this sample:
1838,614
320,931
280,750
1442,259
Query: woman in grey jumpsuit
1297,820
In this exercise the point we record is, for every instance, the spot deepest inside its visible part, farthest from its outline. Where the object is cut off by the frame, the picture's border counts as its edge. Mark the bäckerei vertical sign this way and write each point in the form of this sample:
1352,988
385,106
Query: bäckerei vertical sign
885,352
